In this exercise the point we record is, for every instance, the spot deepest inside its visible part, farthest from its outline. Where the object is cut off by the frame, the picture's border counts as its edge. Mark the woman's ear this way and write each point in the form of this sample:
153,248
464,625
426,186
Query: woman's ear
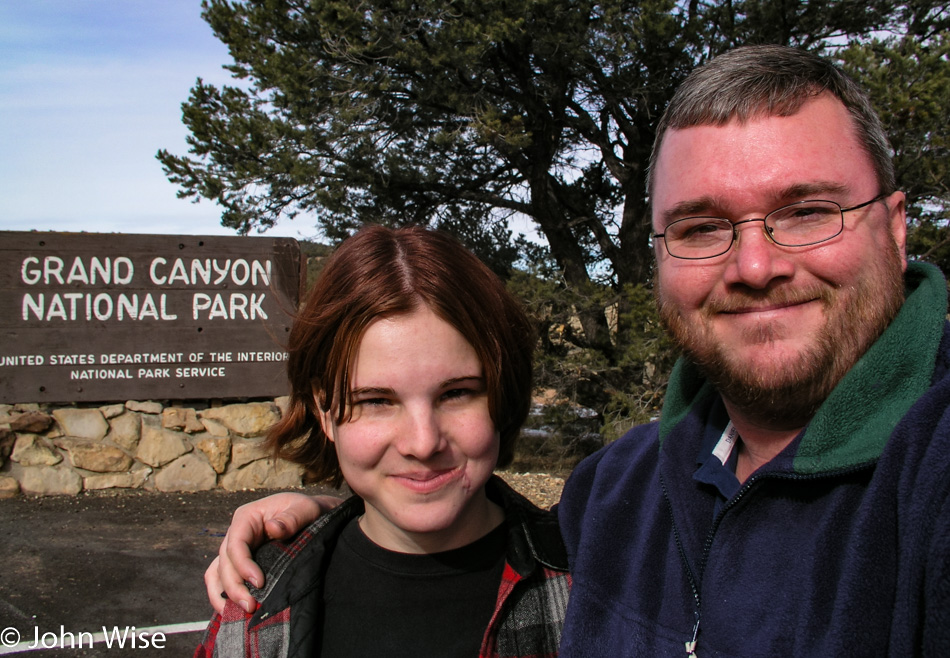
325,417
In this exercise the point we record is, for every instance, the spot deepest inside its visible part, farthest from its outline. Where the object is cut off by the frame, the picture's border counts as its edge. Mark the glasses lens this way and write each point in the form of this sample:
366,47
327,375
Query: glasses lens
699,237
805,223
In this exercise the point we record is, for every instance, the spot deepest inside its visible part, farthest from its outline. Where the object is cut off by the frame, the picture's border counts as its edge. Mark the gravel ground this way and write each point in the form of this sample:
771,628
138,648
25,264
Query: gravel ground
540,488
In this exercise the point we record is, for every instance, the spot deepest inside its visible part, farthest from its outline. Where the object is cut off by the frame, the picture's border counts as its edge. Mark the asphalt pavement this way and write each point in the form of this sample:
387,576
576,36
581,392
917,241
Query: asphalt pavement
109,573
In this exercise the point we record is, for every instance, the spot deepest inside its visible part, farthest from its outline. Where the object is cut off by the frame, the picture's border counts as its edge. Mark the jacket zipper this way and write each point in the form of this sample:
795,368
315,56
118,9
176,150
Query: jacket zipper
707,545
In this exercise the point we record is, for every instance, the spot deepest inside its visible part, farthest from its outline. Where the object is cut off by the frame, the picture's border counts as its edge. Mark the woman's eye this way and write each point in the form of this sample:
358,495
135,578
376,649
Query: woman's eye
371,402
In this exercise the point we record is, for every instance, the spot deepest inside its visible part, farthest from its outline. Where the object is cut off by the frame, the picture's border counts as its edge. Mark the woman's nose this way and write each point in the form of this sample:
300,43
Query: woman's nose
422,435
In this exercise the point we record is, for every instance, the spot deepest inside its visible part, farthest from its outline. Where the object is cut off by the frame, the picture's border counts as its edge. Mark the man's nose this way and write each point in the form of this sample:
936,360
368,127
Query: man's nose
755,260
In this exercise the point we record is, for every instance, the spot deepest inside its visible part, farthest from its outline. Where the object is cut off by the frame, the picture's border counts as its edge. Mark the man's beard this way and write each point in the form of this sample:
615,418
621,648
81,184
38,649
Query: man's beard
789,395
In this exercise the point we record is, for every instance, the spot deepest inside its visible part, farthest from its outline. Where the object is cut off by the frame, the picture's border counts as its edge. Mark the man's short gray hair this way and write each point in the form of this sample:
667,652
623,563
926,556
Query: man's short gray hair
771,80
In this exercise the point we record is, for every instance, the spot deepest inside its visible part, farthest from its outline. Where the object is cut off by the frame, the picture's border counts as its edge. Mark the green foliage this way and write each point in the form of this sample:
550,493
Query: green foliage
909,80
315,254
463,113
595,399
460,113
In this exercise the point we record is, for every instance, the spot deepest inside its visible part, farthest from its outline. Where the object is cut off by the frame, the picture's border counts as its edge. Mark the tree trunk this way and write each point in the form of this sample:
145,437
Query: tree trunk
570,258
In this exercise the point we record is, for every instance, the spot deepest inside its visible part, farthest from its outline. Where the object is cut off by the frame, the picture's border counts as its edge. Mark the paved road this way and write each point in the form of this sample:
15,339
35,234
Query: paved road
113,560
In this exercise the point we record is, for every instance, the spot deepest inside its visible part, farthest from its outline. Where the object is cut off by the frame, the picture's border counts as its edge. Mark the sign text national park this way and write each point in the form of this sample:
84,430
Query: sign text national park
100,317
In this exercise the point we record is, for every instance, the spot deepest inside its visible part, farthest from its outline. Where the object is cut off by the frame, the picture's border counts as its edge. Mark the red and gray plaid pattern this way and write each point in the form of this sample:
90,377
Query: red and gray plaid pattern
529,615
529,611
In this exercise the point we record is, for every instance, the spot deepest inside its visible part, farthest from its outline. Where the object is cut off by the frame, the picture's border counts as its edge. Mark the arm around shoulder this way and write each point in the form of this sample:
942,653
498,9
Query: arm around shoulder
280,516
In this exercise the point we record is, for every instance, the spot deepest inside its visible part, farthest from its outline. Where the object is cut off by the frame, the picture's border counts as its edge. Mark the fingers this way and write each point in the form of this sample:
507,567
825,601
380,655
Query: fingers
299,511
280,516
281,528
223,582
213,587
235,563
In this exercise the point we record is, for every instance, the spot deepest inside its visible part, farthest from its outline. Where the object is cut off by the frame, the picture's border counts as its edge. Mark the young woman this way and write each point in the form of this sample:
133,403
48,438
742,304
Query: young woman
410,369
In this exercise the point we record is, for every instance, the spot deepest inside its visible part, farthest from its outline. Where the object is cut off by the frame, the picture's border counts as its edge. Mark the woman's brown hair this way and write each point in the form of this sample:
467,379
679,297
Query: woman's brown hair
381,272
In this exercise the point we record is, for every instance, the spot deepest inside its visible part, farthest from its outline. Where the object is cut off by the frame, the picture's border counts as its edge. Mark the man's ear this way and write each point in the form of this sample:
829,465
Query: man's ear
897,220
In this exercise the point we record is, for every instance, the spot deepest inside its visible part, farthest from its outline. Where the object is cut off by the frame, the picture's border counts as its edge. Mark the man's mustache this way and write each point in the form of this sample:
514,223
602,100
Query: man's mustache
784,295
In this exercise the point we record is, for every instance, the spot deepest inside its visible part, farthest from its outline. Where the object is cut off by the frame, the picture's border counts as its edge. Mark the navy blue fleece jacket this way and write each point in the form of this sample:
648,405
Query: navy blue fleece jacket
840,546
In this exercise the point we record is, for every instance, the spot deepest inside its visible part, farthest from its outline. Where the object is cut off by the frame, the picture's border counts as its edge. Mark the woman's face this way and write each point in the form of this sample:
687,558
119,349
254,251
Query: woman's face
419,444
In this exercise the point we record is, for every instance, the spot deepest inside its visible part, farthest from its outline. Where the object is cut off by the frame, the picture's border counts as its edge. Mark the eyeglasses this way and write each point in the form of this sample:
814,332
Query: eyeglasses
796,225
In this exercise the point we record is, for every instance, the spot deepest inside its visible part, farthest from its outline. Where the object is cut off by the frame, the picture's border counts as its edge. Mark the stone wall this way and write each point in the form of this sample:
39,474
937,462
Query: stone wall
48,450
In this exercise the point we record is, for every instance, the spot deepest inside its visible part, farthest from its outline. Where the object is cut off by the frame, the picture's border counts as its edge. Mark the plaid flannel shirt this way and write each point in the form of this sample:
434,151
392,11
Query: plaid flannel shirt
526,623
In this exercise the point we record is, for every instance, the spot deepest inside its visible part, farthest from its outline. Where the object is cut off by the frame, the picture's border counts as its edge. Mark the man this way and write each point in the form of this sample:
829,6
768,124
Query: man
793,499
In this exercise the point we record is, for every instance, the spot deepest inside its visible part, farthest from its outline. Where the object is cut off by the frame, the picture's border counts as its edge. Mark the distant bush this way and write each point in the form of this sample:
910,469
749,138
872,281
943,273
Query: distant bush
591,396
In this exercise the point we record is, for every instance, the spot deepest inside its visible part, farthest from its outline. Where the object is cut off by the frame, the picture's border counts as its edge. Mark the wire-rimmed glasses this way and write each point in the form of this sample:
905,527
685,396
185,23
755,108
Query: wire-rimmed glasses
799,224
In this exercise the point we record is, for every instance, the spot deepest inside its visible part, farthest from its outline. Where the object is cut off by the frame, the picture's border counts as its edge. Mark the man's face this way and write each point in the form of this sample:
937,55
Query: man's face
775,328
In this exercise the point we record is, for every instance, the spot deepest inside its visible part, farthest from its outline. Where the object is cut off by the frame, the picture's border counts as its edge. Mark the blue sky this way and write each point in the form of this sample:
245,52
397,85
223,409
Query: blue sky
89,91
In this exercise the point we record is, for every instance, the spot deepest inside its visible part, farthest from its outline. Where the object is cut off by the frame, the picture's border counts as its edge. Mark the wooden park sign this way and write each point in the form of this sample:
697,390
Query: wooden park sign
109,317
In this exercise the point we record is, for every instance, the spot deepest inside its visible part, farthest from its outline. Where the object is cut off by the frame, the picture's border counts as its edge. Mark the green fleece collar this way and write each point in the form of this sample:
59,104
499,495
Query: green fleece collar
857,419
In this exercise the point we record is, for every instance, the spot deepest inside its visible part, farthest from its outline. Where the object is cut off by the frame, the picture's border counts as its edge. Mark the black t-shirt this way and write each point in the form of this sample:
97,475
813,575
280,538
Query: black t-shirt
382,603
